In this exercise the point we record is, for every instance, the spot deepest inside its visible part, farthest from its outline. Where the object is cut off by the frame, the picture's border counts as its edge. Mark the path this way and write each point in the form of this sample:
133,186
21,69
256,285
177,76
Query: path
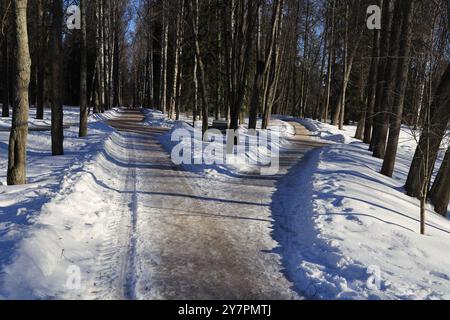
190,237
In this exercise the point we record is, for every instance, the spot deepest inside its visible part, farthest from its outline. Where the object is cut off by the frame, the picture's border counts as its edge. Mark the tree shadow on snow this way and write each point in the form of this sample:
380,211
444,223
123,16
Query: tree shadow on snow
309,261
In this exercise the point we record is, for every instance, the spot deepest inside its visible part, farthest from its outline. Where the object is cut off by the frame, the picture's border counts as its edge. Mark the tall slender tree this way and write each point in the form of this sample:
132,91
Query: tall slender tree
17,161
84,111
57,108
5,18
400,88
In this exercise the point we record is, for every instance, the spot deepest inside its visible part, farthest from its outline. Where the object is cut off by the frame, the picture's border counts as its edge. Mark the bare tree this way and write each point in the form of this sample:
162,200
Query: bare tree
19,130
84,111
194,8
400,88
57,108
4,24
271,63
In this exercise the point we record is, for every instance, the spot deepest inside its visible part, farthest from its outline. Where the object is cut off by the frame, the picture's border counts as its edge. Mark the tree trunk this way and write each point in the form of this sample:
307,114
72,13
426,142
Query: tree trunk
257,84
440,192
116,58
329,66
338,117
174,110
41,62
5,70
385,107
381,73
165,46
84,112
361,122
371,87
17,161
400,88
57,110
271,66
431,138
201,67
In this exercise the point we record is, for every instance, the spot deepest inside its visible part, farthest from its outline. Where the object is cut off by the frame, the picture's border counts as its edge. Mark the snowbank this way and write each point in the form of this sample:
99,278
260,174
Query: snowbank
360,233
45,219
246,160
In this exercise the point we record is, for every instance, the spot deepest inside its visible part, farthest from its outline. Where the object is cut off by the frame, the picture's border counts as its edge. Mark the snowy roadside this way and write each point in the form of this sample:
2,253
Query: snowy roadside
360,232
37,218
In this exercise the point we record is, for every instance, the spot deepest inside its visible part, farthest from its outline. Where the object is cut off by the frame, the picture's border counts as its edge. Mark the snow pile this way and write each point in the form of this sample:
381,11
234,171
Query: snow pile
246,158
155,118
359,234
42,221
328,132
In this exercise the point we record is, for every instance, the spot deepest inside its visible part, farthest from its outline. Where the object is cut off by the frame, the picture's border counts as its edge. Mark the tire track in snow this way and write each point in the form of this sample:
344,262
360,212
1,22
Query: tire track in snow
130,280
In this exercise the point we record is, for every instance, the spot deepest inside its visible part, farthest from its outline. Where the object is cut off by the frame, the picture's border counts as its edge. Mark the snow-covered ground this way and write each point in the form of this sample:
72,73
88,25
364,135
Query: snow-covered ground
127,224
96,223
351,233
251,154
358,225
39,211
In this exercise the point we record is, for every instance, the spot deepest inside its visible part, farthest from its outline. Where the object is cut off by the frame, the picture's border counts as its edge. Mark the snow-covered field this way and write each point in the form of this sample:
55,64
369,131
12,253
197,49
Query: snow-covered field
362,224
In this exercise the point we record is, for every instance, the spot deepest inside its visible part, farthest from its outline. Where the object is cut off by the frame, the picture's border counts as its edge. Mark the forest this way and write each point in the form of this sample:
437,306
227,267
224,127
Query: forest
382,66
231,59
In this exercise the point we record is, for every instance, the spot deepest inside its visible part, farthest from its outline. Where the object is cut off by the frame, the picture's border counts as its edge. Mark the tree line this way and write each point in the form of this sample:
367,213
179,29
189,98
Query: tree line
242,58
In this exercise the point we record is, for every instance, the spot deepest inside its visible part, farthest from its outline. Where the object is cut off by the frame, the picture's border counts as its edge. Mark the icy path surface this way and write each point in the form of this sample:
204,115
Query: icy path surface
197,238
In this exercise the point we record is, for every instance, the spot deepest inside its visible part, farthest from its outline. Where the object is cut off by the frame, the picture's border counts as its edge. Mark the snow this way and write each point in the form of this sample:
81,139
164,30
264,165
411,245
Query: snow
114,219
359,223
39,220
246,159
145,228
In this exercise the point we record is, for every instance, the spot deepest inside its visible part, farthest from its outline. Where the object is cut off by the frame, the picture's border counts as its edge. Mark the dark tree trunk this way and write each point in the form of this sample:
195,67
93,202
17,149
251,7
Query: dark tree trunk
57,109
379,146
371,87
5,70
381,73
258,81
41,62
5,60
241,51
431,138
84,111
271,62
17,162
400,88
201,67
116,64
440,192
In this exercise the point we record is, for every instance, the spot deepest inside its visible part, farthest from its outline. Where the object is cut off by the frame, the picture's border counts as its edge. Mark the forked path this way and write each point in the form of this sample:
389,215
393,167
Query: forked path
191,237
